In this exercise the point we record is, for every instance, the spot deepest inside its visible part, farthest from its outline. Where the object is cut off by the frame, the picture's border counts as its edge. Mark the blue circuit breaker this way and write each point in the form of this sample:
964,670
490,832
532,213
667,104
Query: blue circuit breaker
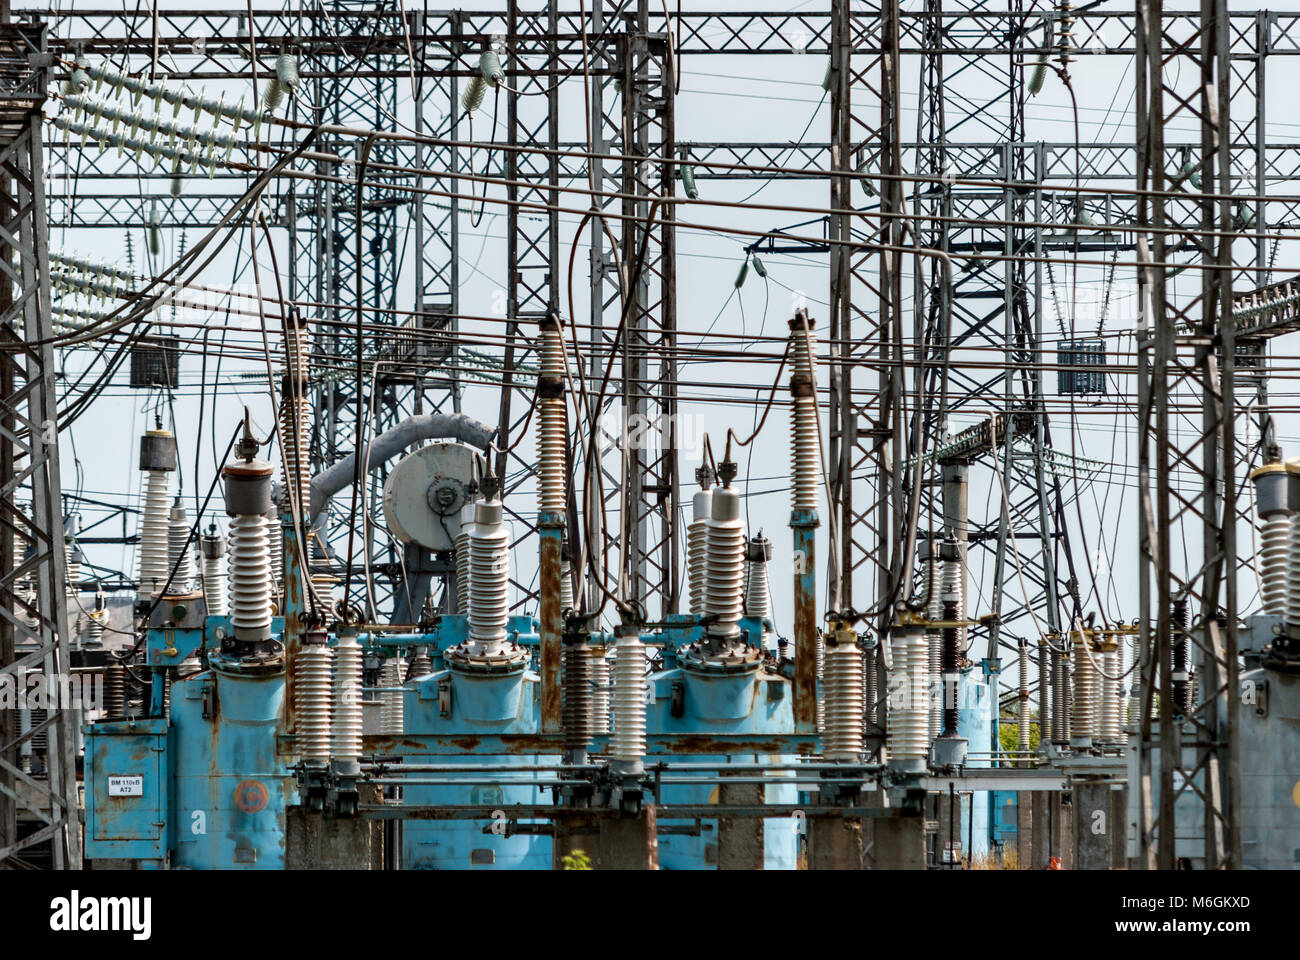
127,782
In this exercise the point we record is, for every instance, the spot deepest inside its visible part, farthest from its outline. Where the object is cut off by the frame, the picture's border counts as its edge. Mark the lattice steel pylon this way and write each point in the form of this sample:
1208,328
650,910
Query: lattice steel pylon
1183,72
33,633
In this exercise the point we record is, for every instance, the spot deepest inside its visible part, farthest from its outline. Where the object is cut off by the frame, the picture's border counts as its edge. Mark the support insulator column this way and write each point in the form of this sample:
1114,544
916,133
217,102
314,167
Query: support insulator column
178,534
295,414
1084,689
805,461
932,591
1022,699
391,675
1108,718
724,571
627,743
345,732
1277,499
697,540
248,500
758,591
909,713
157,460
213,548
600,684
489,587
312,698
467,514
579,705
842,732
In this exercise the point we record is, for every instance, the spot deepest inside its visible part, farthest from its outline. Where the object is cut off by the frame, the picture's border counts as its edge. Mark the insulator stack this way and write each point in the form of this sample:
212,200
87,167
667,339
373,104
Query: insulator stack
842,732
870,691
627,743
725,566
933,638
552,435
95,628
295,413
467,514
1108,718
579,706
392,674
489,580
115,690
1178,674
178,553
1274,563
600,685
213,548
1059,720
758,590
157,459
248,500
275,546
566,585
345,730
697,540
1083,686
1277,502
72,558
312,698
909,720
953,639
819,717
805,456
421,665
1022,699
1123,686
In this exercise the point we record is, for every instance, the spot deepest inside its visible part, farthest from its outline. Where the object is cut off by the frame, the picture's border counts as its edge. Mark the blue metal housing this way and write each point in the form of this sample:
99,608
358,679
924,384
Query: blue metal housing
127,790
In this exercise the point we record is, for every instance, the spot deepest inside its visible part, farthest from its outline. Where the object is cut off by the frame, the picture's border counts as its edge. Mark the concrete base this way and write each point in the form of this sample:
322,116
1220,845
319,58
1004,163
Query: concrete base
1119,827
740,839
316,842
1025,829
628,843
573,835
834,843
899,843
1051,832
1098,817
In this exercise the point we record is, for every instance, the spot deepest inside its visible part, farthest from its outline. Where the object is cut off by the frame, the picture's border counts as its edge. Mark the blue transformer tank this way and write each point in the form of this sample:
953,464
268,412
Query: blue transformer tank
456,705
230,786
702,703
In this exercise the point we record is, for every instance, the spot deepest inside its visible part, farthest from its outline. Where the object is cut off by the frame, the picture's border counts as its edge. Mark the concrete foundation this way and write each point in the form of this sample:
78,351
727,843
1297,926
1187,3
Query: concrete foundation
834,842
899,843
628,843
740,839
316,842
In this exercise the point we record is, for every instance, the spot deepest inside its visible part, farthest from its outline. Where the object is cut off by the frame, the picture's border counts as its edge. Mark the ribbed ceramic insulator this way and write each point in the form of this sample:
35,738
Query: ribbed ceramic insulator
295,414
1108,721
955,584
578,697
1022,691
214,585
1124,685
552,434
275,549
600,693
72,571
95,628
805,456
153,534
1059,719
566,585
1083,686
697,548
462,559
421,665
819,654
114,690
627,743
725,572
1292,579
1274,563
909,714
758,591
313,684
869,692
842,732
178,532
249,594
934,646
489,579
345,728
392,674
